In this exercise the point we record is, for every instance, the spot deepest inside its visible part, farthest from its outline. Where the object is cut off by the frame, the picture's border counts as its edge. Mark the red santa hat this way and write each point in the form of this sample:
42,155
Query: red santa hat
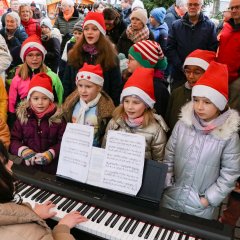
200,58
96,19
92,73
32,43
213,84
140,83
42,83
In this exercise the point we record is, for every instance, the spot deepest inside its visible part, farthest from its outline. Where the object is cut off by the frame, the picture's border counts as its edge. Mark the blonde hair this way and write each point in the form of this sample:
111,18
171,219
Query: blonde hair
148,115
25,5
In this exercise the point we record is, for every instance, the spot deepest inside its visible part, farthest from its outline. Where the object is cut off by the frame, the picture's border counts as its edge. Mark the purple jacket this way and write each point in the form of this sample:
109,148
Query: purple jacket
38,135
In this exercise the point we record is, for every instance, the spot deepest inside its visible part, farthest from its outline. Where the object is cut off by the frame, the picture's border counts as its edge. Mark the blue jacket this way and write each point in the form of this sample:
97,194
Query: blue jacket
186,37
171,16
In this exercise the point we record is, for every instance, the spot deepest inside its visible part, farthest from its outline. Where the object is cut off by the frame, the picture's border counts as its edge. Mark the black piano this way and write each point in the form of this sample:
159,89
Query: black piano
113,215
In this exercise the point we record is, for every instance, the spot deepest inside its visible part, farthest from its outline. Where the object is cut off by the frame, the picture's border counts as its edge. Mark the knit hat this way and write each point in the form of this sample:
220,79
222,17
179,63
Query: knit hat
92,73
148,53
15,16
137,4
141,14
140,83
159,14
42,83
30,44
46,22
33,4
78,26
68,3
200,58
213,84
97,19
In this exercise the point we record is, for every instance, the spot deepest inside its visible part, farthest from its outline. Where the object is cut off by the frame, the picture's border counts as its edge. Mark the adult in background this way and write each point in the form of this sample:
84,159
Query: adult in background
36,11
193,31
135,32
99,7
31,25
114,24
126,11
229,53
66,20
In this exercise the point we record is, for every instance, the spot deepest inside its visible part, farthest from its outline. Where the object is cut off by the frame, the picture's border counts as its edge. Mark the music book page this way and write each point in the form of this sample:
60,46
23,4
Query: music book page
124,162
75,152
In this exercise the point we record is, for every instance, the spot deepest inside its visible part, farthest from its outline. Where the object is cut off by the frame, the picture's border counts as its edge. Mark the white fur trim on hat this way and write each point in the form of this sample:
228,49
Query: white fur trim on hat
100,28
212,94
32,45
129,91
197,62
41,90
91,77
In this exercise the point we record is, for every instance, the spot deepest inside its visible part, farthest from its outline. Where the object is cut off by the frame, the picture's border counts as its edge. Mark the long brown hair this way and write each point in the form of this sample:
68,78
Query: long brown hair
106,57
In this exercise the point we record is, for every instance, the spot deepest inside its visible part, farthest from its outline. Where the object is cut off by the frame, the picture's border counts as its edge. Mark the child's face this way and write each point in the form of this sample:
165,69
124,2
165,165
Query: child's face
205,109
88,90
132,64
77,34
193,73
133,107
153,21
45,29
39,101
34,59
91,33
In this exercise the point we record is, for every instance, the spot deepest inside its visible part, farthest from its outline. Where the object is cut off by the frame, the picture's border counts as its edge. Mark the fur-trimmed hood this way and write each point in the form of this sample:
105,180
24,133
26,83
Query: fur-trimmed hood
223,132
23,112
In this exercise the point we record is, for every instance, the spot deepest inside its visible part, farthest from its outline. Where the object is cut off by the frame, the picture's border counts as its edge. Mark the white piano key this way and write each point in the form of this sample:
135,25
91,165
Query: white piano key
138,230
167,235
126,234
184,237
115,230
177,234
191,238
102,227
153,233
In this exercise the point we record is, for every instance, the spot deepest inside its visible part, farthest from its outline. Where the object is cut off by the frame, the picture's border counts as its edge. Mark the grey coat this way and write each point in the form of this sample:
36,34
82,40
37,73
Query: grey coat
203,164
155,136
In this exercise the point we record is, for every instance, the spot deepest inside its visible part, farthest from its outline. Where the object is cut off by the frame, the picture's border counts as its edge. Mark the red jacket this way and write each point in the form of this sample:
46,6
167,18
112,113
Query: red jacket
229,49
32,27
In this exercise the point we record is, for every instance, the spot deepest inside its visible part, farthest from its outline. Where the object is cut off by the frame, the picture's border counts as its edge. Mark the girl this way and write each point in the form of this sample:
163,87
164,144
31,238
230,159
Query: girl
32,54
19,219
94,48
135,114
88,104
203,152
37,132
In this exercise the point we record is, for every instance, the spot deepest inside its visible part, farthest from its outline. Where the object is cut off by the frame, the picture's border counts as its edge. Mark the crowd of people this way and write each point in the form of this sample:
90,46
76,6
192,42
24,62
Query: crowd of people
169,75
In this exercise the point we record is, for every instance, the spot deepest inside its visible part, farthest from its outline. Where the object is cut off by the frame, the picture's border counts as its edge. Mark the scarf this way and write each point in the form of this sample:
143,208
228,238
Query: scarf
67,16
91,49
84,107
187,86
40,115
207,127
137,35
132,123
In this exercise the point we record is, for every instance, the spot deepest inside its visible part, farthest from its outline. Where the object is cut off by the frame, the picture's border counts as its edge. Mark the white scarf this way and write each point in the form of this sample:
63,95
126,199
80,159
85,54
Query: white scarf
84,107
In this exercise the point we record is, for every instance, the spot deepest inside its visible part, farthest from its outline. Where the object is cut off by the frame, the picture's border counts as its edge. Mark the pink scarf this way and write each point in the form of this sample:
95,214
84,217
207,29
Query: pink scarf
136,122
40,115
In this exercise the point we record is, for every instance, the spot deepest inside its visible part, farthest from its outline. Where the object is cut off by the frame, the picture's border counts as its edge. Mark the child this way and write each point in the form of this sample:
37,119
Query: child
19,219
37,132
203,152
196,63
135,114
89,105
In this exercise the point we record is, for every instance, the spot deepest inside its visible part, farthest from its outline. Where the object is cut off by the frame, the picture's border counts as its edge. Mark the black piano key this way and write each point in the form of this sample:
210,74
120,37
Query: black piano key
123,224
110,219
53,198
63,204
164,234
97,215
29,193
89,216
20,187
134,227
148,232
72,206
84,211
143,230
100,218
26,191
57,200
128,225
67,205
81,207
37,194
45,197
40,196
114,222
170,235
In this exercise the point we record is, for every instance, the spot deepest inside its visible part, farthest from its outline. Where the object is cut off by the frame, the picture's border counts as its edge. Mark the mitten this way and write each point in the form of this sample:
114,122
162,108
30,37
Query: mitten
28,155
44,158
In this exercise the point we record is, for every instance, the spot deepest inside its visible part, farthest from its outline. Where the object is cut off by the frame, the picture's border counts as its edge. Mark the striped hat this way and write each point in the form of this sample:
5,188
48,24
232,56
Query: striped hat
148,53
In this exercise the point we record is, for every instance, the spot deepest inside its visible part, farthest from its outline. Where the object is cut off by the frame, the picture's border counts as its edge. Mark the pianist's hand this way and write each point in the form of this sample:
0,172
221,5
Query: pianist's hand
72,219
43,210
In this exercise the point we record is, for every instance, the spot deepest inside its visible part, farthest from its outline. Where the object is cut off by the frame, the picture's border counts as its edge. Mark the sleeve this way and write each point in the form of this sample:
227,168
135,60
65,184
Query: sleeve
6,58
13,93
109,127
3,101
56,24
213,42
229,172
62,232
163,41
4,133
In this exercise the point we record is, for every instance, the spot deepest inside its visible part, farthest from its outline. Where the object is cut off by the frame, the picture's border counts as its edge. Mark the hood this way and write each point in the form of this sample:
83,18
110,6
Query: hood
171,9
223,132
162,26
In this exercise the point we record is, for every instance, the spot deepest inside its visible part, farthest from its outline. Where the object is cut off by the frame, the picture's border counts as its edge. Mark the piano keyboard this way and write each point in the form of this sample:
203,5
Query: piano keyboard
114,218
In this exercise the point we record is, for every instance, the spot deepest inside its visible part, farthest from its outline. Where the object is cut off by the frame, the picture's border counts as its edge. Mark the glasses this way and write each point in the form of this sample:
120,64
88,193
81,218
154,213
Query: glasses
195,73
193,5
234,7
30,55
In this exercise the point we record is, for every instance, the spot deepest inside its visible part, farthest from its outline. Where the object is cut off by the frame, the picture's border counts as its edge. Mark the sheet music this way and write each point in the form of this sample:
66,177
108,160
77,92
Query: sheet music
75,152
124,162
